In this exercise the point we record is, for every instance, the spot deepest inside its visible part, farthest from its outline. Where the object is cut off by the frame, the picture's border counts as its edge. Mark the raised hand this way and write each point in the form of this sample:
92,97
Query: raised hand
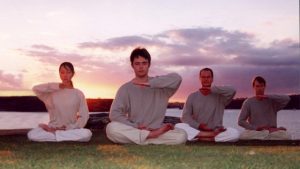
143,84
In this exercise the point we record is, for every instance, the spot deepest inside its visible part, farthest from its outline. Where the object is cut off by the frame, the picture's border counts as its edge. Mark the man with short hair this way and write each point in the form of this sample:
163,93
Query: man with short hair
259,114
203,111
138,111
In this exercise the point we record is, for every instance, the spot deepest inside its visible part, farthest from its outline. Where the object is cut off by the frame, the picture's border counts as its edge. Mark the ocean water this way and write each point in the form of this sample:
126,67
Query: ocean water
289,119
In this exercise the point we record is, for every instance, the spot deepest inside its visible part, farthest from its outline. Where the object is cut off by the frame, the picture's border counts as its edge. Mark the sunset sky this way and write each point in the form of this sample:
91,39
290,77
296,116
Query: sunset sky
238,39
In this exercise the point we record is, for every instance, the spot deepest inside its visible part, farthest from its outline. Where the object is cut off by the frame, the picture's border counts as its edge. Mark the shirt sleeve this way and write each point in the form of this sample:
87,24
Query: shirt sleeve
83,114
43,91
120,108
279,101
187,113
244,116
169,83
226,92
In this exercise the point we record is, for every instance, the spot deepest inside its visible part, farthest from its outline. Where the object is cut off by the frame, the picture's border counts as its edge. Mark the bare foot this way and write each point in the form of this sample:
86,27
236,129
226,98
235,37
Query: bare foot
46,128
206,134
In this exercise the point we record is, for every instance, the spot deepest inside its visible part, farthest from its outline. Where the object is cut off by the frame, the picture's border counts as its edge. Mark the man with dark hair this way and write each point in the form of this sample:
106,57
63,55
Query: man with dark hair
260,80
203,111
259,114
140,52
138,111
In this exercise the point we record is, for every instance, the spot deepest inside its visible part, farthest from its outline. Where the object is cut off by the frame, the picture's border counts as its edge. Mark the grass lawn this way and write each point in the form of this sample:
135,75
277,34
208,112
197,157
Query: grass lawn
17,152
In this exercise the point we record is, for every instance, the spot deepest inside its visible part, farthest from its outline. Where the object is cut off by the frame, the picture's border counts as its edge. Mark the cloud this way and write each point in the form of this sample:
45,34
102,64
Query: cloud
43,47
10,81
90,68
202,46
120,43
235,57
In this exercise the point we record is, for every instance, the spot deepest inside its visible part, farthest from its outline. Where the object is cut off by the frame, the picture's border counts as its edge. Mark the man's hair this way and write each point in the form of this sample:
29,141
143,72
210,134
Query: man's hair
259,79
142,52
207,69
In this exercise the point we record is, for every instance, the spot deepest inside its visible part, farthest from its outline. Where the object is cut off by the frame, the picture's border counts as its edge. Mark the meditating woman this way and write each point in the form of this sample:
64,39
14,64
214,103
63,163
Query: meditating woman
67,107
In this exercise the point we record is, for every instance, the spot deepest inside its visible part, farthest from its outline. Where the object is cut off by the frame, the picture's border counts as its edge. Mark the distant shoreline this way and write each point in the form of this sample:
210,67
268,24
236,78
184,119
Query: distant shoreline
33,104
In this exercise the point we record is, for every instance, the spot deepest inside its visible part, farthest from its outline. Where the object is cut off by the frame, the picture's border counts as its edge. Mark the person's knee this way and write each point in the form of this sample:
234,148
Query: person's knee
178,125
87,134
111,129
30,135
279,135
235,135
33,135
254,135
181,137
230,135
39,135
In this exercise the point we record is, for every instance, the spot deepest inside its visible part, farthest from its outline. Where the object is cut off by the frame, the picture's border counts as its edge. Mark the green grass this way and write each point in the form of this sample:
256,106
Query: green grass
17,152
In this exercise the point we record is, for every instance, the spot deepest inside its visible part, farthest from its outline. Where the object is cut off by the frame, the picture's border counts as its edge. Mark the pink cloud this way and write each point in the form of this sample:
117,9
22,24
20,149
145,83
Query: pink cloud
10,81
233,56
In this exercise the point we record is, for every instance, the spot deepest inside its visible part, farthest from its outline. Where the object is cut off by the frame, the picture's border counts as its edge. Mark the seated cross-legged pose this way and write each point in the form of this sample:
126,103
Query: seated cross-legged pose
259,114
67,108
203,112
139,108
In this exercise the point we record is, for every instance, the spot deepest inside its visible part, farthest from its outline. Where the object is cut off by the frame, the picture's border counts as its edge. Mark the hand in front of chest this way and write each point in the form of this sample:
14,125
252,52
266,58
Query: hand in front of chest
141,83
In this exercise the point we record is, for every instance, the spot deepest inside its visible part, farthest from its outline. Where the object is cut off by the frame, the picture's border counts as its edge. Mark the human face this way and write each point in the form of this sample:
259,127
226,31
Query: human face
206,78
65,74
259,88
140,66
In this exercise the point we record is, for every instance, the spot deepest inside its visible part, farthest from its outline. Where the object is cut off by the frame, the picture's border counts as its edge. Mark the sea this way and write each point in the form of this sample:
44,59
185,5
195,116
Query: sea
290,119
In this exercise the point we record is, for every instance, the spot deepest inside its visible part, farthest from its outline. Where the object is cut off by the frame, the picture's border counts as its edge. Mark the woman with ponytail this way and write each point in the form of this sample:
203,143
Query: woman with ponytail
67,108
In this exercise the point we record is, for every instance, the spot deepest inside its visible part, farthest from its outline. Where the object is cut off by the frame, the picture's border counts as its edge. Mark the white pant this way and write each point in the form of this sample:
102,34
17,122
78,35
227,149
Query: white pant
265,135
230,135
122,133
40,135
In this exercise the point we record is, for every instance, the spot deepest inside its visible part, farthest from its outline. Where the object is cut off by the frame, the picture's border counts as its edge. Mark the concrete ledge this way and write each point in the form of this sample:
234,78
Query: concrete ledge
14,132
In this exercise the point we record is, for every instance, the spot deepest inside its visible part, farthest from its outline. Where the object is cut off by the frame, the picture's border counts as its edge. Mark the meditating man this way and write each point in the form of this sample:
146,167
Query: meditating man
203,111
139,108
259,114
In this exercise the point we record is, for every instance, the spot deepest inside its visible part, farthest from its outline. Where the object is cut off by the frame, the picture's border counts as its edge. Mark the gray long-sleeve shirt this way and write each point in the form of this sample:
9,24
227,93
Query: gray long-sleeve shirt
135,105
257,113
66,107
207,109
